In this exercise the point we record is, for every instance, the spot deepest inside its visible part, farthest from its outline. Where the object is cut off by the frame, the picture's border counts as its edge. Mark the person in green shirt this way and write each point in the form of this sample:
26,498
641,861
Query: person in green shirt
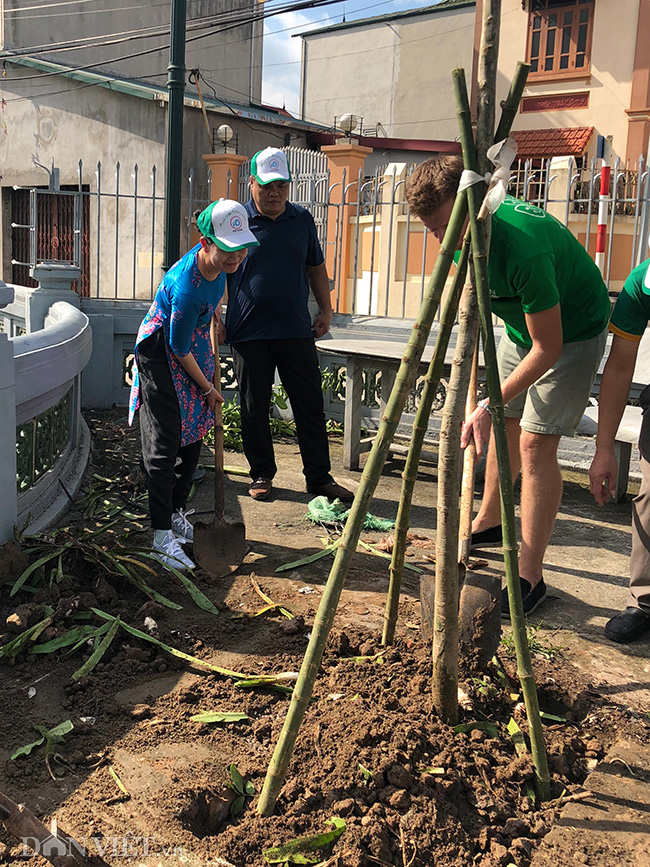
551,297
629,320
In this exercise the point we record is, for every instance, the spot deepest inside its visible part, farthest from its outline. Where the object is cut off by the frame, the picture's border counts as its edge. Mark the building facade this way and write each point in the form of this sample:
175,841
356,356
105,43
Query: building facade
589,76
393,71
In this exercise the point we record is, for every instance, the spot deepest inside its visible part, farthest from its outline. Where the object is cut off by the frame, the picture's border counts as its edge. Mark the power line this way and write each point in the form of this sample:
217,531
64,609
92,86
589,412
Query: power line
232,19
240,93
16,14
308,4
121,36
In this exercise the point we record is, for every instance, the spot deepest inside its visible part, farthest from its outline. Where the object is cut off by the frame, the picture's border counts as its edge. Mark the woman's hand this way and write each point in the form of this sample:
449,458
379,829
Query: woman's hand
214,397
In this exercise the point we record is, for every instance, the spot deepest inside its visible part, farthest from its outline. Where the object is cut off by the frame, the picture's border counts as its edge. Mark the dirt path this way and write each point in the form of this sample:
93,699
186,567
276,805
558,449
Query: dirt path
370,750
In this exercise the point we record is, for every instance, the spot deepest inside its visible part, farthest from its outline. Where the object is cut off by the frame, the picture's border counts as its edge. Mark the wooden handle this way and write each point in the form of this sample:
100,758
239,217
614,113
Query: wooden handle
219,494
469,472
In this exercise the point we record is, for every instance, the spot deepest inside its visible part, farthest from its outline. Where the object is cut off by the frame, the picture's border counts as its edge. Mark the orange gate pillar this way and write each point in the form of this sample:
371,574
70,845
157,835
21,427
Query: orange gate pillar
224,180
343,159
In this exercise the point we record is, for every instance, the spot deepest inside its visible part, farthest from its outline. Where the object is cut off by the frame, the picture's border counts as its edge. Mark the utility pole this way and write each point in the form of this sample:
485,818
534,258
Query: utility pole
174,149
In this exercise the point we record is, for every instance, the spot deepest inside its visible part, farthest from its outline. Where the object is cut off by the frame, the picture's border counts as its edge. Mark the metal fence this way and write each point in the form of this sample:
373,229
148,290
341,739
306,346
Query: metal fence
378,256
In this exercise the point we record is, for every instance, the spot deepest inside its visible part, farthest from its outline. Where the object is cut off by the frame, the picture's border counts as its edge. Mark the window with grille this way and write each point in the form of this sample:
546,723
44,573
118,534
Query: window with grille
559,37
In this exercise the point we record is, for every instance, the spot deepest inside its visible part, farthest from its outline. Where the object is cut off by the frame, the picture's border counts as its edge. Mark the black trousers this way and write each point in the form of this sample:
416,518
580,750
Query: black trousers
297,364
168,485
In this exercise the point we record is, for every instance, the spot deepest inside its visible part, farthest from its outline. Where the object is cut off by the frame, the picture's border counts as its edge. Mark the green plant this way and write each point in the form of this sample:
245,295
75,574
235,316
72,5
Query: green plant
243,788
536,644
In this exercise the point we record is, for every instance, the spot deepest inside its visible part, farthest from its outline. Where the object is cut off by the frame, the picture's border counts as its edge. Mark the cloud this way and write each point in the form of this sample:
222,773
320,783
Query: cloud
282,54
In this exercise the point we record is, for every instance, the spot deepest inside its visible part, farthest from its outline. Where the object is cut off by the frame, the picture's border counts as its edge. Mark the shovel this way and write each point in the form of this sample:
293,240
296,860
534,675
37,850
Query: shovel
219,545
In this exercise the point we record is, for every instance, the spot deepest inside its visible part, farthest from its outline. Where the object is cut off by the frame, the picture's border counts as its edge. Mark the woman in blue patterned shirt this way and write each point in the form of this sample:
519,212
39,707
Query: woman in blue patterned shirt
174,368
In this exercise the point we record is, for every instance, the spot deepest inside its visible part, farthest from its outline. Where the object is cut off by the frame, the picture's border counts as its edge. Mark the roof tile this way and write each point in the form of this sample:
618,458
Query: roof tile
538,143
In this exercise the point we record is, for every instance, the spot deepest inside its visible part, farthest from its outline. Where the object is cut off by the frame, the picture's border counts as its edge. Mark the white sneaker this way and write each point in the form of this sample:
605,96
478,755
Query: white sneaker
170,553
182,528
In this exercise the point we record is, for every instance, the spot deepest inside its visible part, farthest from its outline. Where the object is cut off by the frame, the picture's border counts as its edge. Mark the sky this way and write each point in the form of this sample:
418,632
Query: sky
281,73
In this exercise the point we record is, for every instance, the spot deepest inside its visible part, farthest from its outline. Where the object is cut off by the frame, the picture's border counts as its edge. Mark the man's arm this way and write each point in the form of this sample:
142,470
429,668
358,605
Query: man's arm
614,389
545,329
320,286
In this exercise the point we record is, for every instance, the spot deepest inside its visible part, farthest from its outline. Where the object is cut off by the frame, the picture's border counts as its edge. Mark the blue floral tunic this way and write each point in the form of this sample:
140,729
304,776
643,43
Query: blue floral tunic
183,307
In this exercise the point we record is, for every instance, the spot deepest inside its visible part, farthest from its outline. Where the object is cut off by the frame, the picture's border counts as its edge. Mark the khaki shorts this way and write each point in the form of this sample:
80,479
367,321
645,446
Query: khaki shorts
555,403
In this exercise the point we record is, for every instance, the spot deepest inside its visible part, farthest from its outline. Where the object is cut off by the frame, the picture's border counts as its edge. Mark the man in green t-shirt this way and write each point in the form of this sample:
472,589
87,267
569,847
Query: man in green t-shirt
555,306
629,320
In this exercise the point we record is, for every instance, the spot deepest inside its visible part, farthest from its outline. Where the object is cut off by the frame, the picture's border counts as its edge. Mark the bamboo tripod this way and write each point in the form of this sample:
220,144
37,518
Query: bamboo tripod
371,474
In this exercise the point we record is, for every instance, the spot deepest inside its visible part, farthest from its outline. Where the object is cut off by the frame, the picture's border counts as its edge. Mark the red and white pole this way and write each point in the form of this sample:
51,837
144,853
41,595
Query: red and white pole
603,201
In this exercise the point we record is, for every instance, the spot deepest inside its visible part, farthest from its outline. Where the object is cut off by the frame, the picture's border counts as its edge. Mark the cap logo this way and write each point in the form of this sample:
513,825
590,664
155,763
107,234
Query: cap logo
236,223
274,163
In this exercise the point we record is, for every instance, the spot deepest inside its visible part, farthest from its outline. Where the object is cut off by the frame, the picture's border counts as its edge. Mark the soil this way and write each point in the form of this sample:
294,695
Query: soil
412,791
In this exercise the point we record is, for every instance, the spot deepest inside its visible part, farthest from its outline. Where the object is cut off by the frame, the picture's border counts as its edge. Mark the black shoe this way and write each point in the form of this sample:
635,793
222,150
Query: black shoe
628,625
333,491
260,489
532,597
490,538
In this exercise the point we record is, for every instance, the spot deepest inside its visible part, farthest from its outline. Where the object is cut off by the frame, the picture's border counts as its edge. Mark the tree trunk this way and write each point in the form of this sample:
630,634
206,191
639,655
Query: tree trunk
445,621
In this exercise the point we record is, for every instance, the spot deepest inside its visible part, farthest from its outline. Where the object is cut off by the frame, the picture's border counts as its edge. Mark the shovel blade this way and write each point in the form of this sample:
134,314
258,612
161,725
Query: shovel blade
219,546
479,615
479,618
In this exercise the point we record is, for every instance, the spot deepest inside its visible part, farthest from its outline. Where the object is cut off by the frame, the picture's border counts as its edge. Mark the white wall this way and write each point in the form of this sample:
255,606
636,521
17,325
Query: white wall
397,73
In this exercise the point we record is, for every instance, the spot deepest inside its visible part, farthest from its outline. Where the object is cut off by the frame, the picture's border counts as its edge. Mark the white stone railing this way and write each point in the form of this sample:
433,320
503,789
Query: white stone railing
44,443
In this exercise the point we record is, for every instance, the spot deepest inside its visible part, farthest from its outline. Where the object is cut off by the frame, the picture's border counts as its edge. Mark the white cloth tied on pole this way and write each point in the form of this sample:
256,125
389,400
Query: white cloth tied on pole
501,155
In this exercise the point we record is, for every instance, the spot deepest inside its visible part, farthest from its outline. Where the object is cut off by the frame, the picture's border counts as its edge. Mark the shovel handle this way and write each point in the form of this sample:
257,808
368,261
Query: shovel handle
469,473
219,495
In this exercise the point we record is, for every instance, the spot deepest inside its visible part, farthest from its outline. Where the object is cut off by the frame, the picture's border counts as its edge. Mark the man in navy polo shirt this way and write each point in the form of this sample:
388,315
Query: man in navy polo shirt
269,328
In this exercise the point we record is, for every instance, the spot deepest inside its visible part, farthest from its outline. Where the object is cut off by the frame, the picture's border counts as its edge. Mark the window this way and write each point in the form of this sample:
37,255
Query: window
559,37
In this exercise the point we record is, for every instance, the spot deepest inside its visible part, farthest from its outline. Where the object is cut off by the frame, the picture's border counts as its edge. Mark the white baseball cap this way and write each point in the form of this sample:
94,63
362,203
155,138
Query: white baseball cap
270,165
225,223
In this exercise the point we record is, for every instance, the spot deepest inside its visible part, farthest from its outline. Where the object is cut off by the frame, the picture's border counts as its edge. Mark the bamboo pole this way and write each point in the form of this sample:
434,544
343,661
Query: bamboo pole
486,112
420,426
371,474
524,666
444,685
508,114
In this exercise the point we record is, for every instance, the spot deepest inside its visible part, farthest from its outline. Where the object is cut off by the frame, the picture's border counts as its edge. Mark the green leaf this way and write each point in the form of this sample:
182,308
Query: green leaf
53,735
376,658
517,737
198,596
26,750
386,556
72,636
305,561
237,779
488,727
25,575
297,851
14,647
141,584
250,788
263,683
98,652
218,717
237,805
98,632
552,718
365,773
268,680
